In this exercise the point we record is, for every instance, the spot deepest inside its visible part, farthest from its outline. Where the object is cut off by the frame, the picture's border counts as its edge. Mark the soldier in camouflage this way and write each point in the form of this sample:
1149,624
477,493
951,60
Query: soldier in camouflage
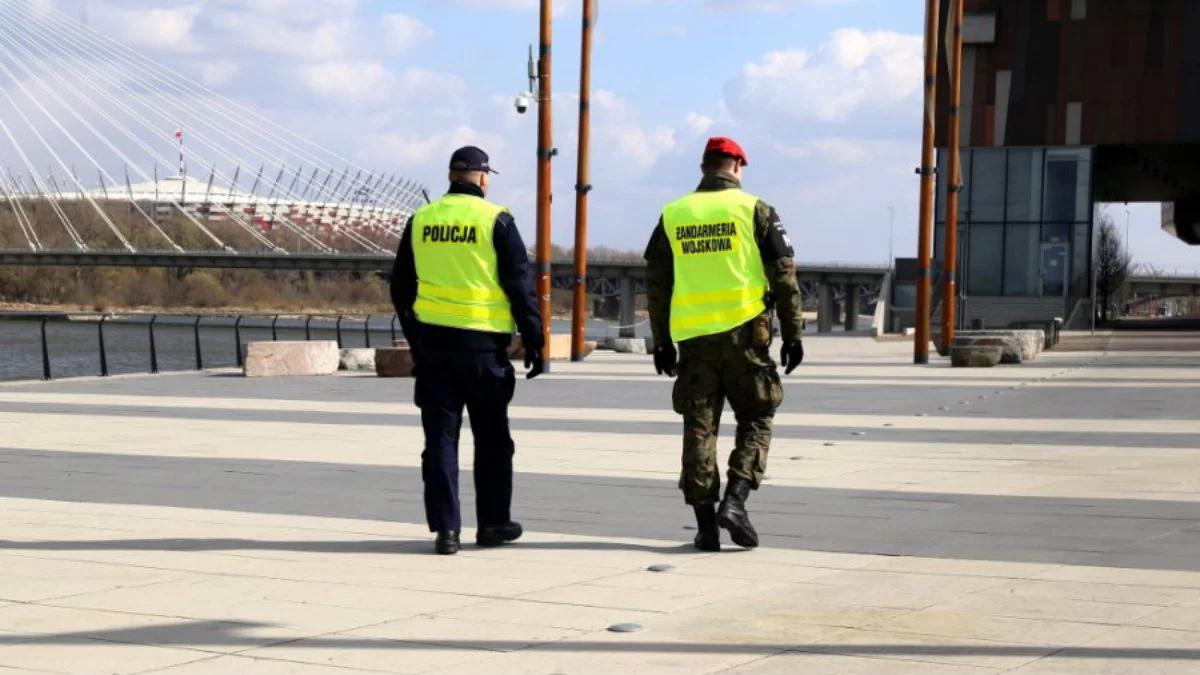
719,262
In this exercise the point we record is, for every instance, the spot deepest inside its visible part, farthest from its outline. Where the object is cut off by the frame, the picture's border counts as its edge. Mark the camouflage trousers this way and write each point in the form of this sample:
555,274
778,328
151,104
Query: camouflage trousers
712,369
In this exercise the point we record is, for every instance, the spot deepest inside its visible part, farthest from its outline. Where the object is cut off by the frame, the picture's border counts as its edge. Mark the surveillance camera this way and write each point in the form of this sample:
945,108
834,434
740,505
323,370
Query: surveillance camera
522,102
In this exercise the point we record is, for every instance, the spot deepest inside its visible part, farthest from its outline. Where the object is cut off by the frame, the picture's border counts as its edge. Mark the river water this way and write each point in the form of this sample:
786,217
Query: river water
74,345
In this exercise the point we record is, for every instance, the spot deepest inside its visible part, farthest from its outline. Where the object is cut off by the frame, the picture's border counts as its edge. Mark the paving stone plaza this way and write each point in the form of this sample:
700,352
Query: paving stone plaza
1040,518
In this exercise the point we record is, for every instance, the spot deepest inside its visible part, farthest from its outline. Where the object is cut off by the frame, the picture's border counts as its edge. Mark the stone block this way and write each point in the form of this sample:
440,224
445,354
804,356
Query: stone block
1030,341
1010,344
975,356
559,347
628,345
286,358
357,359
393,362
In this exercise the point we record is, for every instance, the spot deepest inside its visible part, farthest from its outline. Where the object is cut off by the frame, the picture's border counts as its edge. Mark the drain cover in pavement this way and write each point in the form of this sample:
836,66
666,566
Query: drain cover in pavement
660,568
625,628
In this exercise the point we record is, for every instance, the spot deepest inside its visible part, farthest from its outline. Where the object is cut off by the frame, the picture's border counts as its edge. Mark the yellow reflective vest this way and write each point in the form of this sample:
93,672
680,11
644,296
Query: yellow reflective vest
720,282
457,269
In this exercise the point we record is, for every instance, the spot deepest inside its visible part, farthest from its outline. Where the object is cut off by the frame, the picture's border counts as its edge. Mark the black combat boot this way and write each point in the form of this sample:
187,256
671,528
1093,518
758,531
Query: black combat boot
732,515
708,535
495,535
447,542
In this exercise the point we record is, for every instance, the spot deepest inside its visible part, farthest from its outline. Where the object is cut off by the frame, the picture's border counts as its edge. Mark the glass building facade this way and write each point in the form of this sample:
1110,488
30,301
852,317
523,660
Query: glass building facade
1025,224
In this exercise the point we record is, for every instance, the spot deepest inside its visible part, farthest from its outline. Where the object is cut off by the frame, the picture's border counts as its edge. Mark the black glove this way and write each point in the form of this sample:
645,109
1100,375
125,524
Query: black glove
791,356
535,364
666,359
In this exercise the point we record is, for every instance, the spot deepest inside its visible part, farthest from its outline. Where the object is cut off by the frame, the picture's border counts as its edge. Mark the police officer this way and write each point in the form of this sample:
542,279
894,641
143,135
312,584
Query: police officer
718,262
462,285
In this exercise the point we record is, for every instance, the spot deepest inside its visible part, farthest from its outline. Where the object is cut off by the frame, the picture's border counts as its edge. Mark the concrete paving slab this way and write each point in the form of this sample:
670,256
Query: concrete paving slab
1041,518
797,662
259,666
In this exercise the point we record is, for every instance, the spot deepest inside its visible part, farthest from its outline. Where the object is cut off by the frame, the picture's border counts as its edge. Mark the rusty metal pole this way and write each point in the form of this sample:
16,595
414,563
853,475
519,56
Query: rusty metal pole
545,152
582,186
953,180
928,184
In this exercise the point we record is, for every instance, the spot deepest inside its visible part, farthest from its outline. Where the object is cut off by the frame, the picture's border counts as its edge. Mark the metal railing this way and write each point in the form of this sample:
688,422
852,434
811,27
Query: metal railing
197,320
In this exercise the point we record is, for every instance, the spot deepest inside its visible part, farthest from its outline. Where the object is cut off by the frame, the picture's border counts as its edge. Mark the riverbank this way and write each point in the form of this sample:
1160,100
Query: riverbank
23,308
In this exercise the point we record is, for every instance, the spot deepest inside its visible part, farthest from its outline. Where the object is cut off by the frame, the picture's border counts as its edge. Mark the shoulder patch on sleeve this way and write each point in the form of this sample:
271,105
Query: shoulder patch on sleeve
778,244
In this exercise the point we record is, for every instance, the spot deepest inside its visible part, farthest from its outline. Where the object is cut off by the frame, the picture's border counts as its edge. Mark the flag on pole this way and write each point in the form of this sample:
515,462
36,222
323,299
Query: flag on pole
179,134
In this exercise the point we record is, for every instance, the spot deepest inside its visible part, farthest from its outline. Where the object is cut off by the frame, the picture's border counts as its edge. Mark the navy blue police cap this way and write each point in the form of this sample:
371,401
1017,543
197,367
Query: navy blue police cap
470,158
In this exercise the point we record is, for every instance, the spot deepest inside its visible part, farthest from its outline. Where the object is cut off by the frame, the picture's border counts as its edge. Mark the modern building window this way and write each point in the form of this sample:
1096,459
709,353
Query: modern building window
985,268
1024,185
1056,233
943,170
987,185
1022,260
1068,176
1028,233
1081,246
904,295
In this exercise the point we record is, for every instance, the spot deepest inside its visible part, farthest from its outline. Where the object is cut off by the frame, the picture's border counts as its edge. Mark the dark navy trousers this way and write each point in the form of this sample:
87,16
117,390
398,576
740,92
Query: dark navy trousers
483,383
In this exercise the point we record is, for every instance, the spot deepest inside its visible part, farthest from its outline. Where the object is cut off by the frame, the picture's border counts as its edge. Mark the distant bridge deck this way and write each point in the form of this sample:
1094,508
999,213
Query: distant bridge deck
368,263
1166,285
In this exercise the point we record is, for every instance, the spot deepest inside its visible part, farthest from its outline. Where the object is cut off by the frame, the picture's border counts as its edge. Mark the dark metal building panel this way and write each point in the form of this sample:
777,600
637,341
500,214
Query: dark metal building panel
1127,63
1189,72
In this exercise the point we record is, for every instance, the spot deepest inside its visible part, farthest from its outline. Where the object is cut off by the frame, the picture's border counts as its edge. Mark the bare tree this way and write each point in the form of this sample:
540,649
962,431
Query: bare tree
1112,264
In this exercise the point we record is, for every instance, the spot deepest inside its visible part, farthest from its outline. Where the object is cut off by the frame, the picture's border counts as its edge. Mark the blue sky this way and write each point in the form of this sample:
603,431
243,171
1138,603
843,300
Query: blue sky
824,95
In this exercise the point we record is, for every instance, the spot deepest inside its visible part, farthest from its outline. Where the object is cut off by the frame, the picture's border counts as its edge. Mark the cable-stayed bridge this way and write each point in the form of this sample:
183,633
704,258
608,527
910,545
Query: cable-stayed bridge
112,158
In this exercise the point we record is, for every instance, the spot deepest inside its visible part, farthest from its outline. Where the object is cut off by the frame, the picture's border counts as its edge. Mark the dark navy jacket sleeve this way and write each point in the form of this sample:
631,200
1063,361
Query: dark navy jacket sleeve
516,278
404,285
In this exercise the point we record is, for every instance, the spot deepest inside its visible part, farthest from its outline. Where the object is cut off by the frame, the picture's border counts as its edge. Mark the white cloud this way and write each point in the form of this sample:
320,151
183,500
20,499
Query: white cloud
217,73
402,149
153,27
853,74
771,5
639,146
402,31
372,81
842,150
322,40
346,79
609,106
559,6
698,124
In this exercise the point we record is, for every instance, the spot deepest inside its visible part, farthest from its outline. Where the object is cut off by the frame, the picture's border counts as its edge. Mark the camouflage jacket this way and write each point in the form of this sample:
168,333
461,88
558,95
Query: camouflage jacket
779,262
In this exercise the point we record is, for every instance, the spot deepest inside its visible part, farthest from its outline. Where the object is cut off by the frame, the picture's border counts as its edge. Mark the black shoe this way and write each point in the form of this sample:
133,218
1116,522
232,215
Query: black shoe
708,535
447,542
495,535
732,515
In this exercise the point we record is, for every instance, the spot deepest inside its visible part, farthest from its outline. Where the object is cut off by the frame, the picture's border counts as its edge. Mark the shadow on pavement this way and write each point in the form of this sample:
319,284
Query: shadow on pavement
382,546
1158,531
782,430
237,634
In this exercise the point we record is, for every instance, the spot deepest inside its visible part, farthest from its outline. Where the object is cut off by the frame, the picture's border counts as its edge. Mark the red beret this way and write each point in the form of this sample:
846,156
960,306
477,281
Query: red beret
726,146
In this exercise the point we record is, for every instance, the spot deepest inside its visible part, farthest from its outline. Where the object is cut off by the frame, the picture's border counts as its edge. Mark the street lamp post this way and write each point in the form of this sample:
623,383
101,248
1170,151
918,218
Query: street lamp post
925,236
582,186
1127,218
545,152
953,179
891,261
